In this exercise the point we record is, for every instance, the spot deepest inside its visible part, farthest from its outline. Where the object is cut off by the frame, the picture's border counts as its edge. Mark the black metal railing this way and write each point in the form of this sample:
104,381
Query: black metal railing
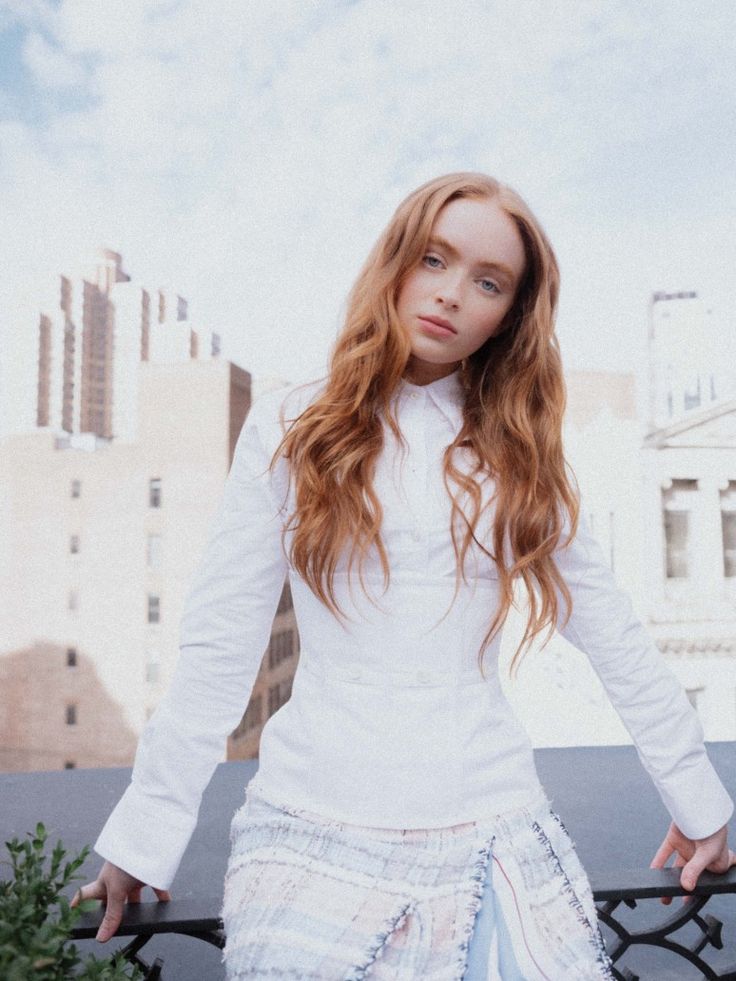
607,802
142,921
683,928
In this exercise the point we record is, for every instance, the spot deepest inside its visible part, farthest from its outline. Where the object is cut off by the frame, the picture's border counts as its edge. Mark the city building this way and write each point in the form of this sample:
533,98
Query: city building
105,510
690,516
657,472
95,330
272,686
692,357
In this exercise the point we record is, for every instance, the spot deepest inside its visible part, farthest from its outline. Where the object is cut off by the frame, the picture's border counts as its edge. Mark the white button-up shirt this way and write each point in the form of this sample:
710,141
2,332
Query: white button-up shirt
390,722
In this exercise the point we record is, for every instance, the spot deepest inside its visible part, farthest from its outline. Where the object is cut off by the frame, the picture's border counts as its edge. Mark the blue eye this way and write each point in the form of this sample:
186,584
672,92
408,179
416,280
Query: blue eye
430,259
484,283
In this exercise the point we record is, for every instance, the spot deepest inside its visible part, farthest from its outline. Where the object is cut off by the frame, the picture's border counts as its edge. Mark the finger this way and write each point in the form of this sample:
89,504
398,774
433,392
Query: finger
662,855
134,896
111,919
678,863
163,895
93,890
691,871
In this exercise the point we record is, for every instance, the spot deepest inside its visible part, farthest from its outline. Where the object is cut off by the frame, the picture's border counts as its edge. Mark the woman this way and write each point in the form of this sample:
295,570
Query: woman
396,827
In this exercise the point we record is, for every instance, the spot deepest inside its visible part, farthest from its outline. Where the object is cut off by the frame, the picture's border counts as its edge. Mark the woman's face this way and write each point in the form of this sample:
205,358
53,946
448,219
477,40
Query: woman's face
466,281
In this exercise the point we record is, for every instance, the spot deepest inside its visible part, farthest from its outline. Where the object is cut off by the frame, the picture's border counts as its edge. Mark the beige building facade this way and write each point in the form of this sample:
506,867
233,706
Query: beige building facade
99,539
105,510
690,508
662,503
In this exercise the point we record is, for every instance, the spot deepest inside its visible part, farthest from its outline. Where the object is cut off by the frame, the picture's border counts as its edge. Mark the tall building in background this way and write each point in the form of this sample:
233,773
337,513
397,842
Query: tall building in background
92,337
692,357
105,511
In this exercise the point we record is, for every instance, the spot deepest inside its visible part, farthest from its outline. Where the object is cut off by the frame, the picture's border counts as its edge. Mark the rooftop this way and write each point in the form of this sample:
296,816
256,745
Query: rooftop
604,797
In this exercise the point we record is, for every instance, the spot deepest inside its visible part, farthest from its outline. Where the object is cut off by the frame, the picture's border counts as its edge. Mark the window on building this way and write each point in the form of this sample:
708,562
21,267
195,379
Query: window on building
71,715
691,399
71,657
153,664
69,765
728,529
281,647
154,608
73,600
254,713
153,552
74,544
154,492
278,695
76,488
676,509
253,717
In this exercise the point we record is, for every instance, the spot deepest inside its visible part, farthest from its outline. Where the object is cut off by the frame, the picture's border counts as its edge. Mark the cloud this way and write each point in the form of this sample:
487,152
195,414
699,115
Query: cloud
248,154
28,13
51,67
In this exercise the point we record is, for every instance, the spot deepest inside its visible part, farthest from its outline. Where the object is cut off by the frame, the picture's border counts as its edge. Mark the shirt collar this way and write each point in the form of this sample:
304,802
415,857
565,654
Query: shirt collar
446,393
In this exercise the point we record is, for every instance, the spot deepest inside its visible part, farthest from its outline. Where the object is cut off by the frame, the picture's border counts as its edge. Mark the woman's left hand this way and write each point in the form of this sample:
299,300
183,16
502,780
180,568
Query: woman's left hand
694,855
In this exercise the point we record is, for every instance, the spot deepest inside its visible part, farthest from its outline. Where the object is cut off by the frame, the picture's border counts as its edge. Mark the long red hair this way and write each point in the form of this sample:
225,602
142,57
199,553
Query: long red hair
512,422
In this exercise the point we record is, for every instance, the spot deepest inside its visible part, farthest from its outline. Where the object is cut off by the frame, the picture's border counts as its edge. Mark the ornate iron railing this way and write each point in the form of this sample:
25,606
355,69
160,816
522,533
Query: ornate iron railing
683,928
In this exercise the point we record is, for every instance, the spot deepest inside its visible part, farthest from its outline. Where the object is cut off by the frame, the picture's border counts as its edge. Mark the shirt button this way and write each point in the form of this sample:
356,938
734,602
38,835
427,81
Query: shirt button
355,676
414,395
423,678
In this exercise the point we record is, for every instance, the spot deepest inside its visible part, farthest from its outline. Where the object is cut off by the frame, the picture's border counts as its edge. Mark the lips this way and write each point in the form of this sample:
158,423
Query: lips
439,322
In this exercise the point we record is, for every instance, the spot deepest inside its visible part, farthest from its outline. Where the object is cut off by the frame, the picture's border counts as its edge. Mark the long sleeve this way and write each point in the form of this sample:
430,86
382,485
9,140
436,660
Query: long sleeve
650,701
224,631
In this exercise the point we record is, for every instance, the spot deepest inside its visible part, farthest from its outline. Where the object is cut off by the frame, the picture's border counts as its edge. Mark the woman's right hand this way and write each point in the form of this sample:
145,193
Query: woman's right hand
114,887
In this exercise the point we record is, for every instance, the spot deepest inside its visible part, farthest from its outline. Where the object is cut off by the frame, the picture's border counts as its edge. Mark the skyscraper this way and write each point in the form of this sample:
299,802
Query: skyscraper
91,343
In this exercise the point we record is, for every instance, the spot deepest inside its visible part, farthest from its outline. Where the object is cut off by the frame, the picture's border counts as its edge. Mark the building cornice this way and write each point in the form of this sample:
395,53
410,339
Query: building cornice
659,437
724,646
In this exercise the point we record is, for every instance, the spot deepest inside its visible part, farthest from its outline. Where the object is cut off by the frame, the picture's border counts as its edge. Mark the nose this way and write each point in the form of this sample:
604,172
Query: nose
447,291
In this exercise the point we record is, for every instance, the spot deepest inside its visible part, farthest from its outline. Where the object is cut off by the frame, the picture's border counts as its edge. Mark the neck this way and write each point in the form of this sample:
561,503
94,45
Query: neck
423,373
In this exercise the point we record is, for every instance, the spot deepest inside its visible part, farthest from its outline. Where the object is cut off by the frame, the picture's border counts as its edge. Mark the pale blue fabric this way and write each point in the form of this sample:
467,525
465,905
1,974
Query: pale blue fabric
489,920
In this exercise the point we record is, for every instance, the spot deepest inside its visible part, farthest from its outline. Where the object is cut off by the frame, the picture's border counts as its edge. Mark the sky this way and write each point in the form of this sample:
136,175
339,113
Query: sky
247,153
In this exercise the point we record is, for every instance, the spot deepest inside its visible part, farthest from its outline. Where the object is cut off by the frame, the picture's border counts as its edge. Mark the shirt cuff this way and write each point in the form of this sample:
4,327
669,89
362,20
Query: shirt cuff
696,799
145,840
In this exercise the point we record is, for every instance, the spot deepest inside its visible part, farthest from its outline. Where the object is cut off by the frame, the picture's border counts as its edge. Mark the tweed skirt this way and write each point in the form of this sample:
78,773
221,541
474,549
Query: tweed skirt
309,897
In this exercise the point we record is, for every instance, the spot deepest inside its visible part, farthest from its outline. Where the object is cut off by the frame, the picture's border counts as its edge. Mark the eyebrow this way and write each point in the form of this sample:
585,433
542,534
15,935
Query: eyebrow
444,244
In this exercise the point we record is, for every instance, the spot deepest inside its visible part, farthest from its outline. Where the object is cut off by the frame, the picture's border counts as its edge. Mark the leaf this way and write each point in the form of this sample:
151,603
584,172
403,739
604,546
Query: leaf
36,919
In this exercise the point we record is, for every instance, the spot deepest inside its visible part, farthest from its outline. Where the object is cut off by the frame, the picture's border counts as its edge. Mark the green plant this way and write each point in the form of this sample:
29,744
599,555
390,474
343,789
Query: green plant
36,919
